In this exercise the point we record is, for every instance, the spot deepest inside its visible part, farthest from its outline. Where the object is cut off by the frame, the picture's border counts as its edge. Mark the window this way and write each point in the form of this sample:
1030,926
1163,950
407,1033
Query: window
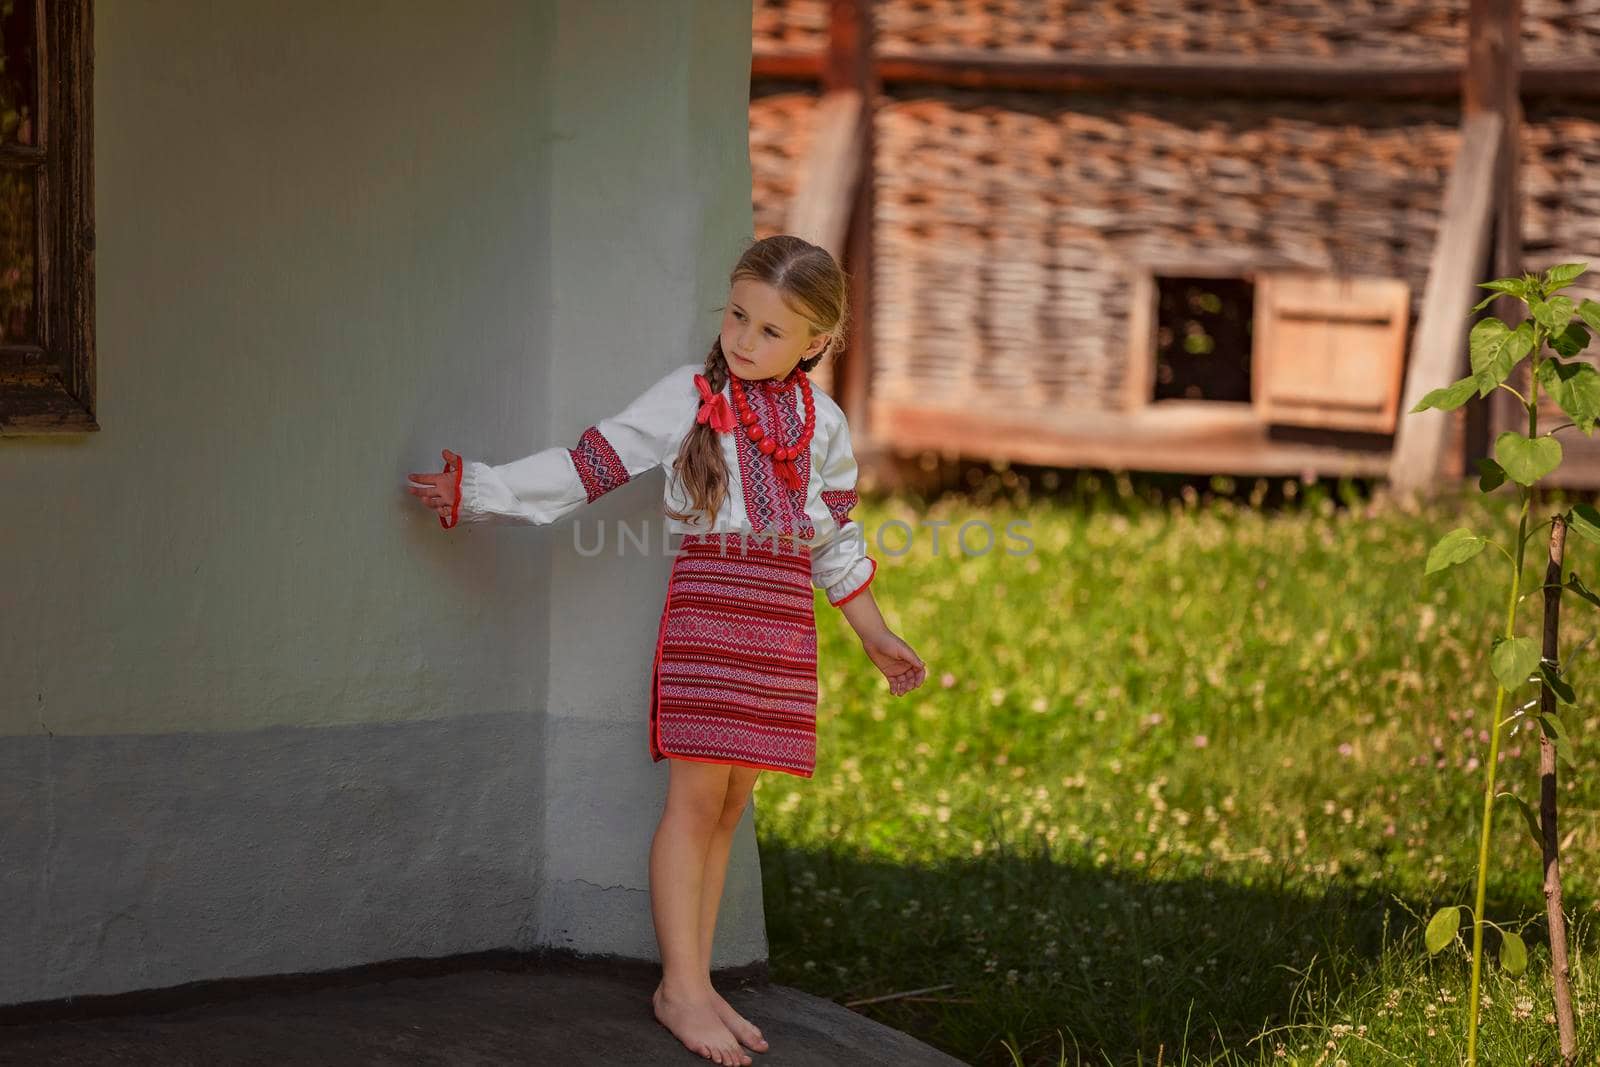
46,218
1203,342
1300,348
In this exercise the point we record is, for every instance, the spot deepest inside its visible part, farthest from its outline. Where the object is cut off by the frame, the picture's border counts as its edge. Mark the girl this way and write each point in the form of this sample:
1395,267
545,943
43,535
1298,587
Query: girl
761,484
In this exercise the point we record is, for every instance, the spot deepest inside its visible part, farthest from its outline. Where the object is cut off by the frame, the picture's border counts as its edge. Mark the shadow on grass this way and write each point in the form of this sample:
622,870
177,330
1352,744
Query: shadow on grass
1114,967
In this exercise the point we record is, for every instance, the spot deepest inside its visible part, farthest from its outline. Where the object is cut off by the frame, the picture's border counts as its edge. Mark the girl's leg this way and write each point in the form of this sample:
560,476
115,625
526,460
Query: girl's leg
683,1001
741,780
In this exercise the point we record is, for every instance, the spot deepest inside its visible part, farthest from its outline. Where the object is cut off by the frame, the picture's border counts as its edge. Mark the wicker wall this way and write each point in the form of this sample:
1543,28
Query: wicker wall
1006,227
1415,30
1006,220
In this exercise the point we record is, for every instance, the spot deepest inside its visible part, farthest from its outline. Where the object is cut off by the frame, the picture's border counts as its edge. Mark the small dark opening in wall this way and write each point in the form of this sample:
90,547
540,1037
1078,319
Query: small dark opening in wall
1203,338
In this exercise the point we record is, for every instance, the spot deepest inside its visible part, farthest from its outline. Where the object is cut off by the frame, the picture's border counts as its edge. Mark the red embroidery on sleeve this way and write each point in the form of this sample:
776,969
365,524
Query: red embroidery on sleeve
599,466
839,502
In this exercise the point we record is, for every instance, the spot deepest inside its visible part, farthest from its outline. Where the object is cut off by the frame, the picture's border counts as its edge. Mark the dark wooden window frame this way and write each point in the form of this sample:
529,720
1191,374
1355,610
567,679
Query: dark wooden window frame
50,388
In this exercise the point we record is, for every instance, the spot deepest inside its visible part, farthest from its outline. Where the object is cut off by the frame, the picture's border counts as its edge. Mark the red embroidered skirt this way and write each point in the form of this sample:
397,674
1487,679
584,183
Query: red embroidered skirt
735,676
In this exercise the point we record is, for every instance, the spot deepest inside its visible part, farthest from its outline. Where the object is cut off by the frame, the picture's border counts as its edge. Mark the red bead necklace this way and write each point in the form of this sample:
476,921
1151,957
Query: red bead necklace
783,456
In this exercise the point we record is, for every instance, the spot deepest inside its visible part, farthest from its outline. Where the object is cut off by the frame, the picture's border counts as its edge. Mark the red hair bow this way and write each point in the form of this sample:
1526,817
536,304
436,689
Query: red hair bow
714,408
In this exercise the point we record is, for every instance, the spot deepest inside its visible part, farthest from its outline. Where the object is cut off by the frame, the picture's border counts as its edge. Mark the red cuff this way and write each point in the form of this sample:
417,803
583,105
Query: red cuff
857,591
452,462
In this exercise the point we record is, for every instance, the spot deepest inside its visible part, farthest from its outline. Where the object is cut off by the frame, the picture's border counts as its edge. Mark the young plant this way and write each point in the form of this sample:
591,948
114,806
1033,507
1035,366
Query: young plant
1496,349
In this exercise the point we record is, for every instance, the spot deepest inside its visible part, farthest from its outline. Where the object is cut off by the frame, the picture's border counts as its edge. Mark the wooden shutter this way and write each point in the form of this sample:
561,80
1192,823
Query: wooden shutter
1329,350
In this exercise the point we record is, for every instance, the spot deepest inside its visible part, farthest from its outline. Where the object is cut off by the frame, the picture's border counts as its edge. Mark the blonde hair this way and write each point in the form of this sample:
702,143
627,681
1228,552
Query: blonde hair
813,286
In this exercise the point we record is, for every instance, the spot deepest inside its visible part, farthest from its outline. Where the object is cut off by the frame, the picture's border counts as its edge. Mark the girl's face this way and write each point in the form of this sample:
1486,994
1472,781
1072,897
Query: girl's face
761,337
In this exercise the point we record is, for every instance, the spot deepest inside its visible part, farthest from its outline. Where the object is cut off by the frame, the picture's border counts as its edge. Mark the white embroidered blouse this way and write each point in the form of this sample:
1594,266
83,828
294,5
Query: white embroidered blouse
547,485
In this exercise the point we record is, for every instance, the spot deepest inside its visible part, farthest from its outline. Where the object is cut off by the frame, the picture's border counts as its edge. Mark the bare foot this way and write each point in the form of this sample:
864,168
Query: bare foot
693,1020
743,1029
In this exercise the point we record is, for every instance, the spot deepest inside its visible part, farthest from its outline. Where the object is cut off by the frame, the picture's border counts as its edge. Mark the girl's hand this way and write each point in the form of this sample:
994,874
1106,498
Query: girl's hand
902,666
438,491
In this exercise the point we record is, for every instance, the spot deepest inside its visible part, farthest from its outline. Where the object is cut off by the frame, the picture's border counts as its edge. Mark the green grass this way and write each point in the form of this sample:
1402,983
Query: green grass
1184,781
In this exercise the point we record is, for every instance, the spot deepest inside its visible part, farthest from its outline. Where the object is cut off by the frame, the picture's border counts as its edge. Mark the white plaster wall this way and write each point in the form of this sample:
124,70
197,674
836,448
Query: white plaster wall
649,215
259,713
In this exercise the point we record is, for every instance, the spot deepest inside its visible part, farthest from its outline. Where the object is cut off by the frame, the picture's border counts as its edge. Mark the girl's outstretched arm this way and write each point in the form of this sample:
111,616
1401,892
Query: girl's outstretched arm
541,488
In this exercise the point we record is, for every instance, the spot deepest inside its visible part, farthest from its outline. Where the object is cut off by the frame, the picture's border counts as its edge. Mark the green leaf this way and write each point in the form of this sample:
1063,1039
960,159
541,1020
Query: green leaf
1584,520
1495,348
1513,953
1448,398
1576,387
1558,685
1575,584
1562,275
1442,928
1556,731
1513,661
1572,340
1514,286
1491,475
1553,314
1528,817
1554,726
1589,312
1526,460
1457,546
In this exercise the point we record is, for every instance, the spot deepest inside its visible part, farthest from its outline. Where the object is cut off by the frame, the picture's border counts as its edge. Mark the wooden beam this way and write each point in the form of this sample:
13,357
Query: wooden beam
1438,352
825,192
1188,436
1188,75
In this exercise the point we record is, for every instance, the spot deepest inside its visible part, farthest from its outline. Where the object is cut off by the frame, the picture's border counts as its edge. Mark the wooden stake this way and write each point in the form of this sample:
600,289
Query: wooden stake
1550,839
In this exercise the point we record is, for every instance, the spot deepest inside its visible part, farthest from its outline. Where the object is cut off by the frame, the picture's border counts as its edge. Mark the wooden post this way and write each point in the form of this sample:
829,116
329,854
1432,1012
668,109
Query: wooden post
850,66
1492,82
1549,835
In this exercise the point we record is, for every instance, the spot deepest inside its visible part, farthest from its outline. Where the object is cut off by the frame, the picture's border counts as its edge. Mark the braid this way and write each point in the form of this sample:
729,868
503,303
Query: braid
717,366
700,461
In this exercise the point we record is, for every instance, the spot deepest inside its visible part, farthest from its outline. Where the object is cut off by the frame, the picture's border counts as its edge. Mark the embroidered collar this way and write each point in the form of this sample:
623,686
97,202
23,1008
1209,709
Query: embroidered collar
789,382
